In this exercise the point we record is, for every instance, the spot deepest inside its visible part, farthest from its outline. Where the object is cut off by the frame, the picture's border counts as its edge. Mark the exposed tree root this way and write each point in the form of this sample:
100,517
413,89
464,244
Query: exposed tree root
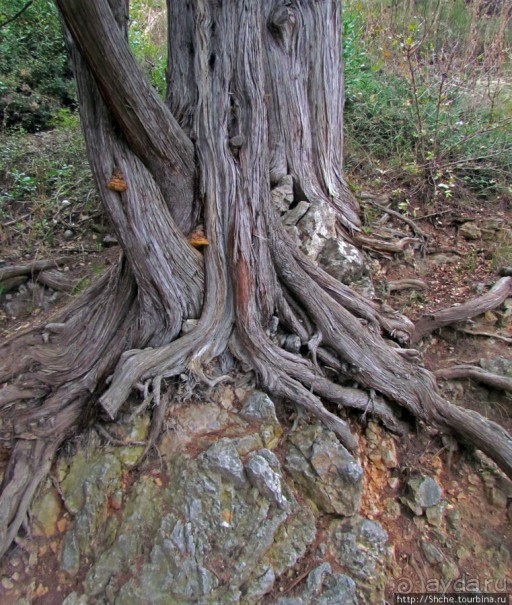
492,299
32,268
506,339
31,463
406,284
57,280
61,368
378,245
414,228
477,374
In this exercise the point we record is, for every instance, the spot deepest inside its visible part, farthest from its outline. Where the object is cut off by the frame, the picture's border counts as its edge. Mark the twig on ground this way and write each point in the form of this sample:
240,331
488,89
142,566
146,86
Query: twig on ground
486,334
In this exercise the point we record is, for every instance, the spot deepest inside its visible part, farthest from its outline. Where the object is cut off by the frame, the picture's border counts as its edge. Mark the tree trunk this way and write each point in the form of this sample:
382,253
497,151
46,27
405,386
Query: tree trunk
255,95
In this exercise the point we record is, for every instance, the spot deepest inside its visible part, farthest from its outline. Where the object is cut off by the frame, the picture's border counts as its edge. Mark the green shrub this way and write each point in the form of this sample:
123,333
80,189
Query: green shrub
421,100
148,39
35,78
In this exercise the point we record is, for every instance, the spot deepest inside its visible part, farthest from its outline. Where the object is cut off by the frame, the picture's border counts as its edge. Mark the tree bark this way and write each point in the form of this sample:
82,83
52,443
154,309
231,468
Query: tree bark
255,94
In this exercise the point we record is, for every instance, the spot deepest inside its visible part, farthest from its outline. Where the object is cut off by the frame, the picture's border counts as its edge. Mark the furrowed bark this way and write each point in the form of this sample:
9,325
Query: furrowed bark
304,92
148,126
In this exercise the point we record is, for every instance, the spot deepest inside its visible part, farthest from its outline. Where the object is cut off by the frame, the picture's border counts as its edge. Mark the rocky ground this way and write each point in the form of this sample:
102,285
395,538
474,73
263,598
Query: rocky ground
245,501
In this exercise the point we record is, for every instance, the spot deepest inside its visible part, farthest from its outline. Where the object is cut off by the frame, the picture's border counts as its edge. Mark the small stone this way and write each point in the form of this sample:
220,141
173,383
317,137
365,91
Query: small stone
188,325
7,584
259,406
490,318
392,508
497,498
65,203
431,553
223,458
63,524
389,457
423,492
470,231
393,482
449,570
110,240
68,234
435,514
116,500
41,590
463,553
474,479
282,195
292,343
264,478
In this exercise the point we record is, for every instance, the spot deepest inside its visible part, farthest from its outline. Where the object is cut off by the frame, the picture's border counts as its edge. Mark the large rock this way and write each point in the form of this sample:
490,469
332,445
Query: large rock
470,231
317,227
217,518
325,471
324,587
312,225
343,261
359,547
282,193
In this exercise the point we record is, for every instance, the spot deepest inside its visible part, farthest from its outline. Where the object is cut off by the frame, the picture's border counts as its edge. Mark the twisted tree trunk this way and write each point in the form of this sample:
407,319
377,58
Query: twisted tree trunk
255,94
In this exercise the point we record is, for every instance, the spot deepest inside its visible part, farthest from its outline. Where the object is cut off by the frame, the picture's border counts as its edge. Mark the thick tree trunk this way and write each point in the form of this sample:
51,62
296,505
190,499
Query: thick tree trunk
255,95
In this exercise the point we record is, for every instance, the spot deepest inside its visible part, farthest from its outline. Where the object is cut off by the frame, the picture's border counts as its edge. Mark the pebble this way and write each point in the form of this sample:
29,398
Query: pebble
7,583
68,234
